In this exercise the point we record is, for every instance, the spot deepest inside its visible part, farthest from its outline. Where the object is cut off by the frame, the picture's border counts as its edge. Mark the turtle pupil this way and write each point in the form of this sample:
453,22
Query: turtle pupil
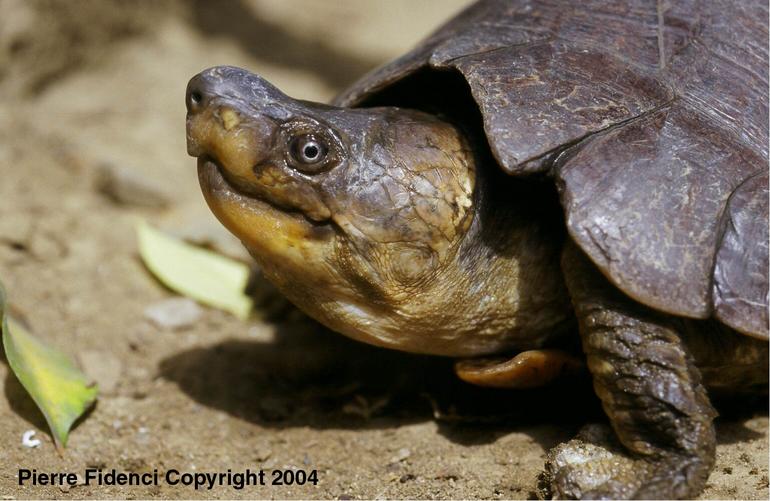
311,151
307,150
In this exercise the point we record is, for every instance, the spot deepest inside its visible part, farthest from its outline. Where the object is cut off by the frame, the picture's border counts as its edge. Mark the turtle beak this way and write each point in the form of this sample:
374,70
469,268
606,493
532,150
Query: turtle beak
201,91
226,120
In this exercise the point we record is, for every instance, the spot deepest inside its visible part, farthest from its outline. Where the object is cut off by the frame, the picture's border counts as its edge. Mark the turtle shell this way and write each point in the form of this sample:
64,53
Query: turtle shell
652,118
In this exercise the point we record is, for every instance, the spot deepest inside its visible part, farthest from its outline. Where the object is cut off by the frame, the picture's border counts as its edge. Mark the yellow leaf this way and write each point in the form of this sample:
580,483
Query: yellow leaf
194,272
59,389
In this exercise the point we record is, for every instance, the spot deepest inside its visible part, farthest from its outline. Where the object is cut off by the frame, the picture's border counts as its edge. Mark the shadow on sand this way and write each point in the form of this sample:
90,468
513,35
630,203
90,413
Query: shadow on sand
310,376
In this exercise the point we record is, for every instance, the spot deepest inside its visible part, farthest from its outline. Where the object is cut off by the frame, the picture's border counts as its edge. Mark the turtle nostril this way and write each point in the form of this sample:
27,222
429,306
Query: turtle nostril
201,90
195,100
198,93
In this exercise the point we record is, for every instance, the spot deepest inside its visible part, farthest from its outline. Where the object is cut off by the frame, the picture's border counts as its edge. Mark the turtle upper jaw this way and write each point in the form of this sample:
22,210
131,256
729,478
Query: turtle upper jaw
223,133
222,126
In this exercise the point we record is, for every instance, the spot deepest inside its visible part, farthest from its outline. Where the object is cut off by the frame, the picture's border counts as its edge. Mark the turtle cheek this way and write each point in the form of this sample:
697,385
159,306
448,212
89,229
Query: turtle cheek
284,188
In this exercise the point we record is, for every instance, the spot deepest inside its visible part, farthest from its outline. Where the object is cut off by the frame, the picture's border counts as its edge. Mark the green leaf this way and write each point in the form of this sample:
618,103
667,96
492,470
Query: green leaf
194,272
59,389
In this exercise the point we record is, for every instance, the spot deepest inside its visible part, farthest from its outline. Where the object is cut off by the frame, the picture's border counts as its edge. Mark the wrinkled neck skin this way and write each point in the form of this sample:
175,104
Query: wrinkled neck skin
408,240
431,254
490,282
494,285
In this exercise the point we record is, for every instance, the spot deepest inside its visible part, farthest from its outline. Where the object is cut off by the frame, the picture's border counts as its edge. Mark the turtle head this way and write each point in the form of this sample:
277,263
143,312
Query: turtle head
350,212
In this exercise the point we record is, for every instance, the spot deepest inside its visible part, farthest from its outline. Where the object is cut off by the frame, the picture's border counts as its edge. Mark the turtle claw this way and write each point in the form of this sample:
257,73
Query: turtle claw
594,465
590,466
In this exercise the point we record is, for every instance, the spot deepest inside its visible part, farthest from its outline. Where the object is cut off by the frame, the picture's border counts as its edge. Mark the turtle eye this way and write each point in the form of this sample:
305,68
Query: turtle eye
308,152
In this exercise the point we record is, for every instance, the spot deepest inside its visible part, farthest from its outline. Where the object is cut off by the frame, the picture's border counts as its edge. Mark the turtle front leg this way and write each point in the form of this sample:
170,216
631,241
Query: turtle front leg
651,392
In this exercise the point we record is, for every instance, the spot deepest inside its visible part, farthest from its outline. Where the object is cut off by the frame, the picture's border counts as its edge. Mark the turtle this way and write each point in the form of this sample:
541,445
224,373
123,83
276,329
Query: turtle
534,176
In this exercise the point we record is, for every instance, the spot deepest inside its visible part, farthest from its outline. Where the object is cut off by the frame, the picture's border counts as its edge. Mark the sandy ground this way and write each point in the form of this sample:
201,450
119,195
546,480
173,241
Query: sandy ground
277,392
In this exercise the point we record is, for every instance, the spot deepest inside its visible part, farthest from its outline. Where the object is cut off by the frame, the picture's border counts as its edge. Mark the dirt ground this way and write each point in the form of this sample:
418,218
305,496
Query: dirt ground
95,87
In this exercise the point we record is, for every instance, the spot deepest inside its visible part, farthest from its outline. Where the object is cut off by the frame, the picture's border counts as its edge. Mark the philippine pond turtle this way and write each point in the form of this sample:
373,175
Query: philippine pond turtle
532,170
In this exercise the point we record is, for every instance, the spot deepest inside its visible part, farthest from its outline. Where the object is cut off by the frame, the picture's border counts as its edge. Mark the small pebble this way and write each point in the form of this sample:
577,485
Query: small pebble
103,367
174,313
143,435
127,187
262,333
447,475
28,440
401,455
